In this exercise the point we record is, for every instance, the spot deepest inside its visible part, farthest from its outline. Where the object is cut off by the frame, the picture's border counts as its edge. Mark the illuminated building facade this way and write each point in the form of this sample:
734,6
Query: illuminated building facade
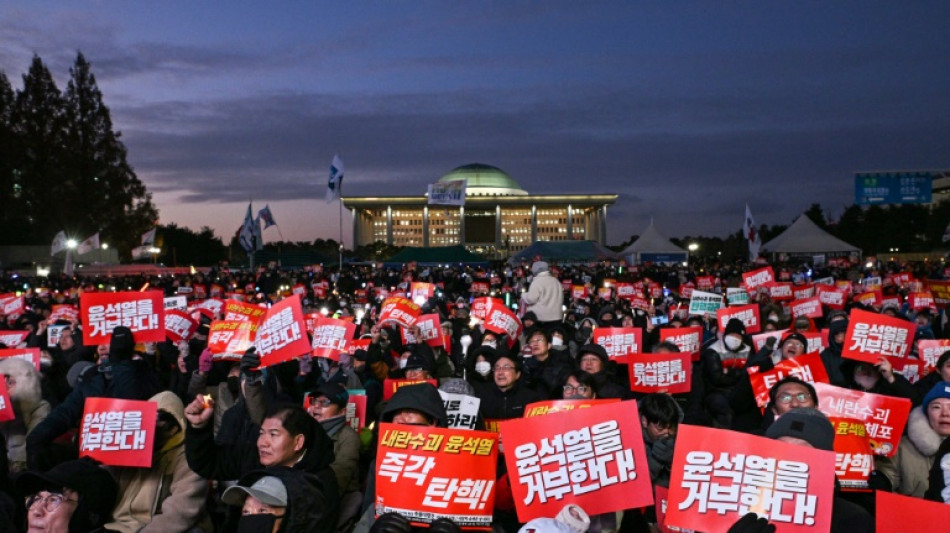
499,217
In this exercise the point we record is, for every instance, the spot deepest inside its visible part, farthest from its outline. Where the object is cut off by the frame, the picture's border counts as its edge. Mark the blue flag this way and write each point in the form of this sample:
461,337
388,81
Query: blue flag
336,179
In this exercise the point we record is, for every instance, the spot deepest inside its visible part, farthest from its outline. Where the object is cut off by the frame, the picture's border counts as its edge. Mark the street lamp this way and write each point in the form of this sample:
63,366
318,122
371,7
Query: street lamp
72,244
105,246
693,247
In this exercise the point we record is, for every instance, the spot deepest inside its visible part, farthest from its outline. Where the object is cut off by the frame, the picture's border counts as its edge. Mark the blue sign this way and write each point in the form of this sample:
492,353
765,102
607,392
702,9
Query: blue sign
880,188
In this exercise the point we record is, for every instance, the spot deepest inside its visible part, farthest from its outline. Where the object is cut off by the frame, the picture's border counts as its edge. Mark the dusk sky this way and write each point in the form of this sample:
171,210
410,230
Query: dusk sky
687,110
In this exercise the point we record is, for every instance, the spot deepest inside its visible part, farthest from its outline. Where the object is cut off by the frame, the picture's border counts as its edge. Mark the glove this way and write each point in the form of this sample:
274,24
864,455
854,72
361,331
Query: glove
391,523
663,450
250,363
204,361
751,523
770,342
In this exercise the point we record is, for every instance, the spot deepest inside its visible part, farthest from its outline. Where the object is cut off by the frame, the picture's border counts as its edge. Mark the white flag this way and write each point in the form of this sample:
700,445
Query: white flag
258,237
88,245
148,237
751,235
247,233
336,179
447,192
59,243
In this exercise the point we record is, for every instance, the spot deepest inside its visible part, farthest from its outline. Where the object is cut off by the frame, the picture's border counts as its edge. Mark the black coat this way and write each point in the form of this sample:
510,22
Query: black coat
502,405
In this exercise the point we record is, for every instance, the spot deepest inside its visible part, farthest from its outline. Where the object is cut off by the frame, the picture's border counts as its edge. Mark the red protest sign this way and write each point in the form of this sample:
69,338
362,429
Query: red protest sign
331,337
689,340
748,314
638,302
420,292
211,307
399,310
781,291
500,319
807,367
930,350
579,292
13,338
810,307
283,333
6,406
559,406
229,339
480,307
244,312
359,344
704,283
142,312
919,301
430,330
27,354
179,326
884,416
871,335
756,278
758,341
940,291
118,432
426,473
832,297
872,298
792,486
661,372
356,410
662,499
63,312
590,457
619,342
479,287
12,305
626,291
903,514
801,292
390,386
853,458
817,340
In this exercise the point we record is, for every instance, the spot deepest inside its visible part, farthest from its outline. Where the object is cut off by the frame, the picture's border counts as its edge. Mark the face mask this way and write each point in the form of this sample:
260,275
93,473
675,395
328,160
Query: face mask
557,341
583,334
492,344
773,318
483,367
402,362
234,385
256,523
732,343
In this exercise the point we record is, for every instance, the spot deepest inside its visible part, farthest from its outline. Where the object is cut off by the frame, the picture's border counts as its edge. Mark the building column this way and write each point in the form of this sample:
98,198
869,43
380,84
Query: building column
497,228
389,225
534,223
462,225
570,223
356,227
603,225
425,226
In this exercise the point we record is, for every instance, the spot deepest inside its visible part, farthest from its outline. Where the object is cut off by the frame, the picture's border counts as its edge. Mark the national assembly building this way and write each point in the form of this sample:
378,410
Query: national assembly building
499,217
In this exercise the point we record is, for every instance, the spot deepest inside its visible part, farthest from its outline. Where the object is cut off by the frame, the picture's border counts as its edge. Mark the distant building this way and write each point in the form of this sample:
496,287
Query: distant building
499,217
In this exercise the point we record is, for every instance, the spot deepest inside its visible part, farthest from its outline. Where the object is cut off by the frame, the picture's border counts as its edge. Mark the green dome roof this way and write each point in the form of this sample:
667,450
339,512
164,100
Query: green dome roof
485,180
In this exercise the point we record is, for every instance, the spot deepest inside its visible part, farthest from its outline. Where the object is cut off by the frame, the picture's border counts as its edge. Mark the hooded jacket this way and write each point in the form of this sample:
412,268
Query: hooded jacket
169,496
831,356
28,405
548,376
909,469
545,297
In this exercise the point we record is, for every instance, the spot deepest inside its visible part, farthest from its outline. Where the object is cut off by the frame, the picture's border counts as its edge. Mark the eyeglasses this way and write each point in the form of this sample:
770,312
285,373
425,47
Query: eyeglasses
505,368
322,403
582,389
50,502
787,398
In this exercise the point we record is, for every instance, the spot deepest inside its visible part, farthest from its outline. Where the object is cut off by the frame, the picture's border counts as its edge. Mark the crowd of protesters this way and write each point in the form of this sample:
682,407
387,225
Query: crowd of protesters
250,457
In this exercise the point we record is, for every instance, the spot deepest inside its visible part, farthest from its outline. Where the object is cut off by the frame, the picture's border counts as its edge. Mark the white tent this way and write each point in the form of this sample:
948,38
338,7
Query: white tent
653,248
804,237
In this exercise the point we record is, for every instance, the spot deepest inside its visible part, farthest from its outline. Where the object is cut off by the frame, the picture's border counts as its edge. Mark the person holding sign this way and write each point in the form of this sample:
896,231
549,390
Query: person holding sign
722,368
810,427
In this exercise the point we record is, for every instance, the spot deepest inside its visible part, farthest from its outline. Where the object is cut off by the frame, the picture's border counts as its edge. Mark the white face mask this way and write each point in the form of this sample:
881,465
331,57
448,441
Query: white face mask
773,318
492,344
733,343
403,361
557,341
483,367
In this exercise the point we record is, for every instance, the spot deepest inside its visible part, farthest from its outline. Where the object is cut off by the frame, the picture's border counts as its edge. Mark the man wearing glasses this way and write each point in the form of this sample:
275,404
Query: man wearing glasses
75,496
507,396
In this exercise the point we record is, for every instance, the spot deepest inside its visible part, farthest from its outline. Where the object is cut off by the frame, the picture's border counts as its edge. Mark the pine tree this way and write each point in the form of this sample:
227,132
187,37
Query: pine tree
39,125
113,199
10,222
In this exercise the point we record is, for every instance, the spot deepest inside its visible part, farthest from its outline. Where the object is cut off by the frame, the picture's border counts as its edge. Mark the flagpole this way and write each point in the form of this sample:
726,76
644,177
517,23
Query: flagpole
250,255
341,230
